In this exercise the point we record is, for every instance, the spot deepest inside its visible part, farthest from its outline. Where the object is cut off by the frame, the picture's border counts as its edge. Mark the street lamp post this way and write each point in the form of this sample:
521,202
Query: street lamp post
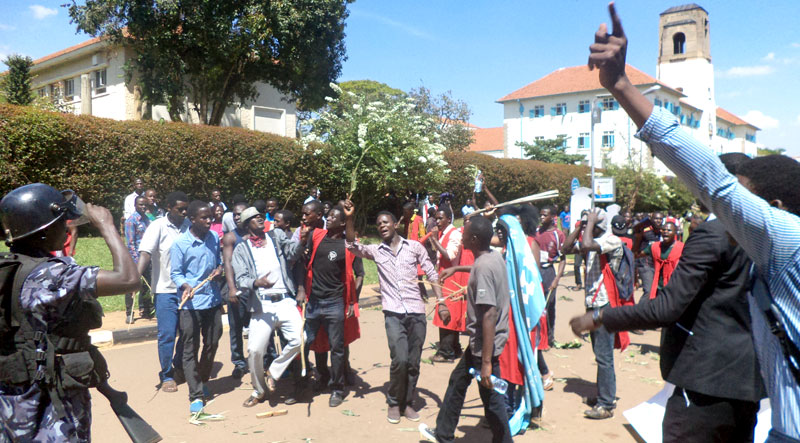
597,113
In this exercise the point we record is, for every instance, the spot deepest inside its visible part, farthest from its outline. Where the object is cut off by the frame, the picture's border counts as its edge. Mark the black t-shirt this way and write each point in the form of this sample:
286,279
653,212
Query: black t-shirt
329,267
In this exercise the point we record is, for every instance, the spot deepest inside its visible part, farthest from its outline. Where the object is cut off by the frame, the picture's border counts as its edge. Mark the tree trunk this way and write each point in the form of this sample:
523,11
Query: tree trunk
173,107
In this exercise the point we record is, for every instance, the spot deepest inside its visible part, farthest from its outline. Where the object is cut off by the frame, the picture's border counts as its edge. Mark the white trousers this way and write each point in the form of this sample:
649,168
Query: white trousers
266,317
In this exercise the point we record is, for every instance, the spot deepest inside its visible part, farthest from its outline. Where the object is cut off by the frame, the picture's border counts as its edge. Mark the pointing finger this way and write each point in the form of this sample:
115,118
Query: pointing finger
616,24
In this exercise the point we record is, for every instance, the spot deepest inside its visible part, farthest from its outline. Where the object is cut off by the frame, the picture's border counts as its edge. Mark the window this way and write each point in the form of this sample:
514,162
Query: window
584,106
563,138
609,104
678,43
720,132
69,89
750,137
100,81
558,109
657,102
584,141
538,111
42,92
55,91
608,139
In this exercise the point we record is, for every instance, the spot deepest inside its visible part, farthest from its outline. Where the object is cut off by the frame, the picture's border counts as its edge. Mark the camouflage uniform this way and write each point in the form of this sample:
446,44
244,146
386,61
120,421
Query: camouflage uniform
25,410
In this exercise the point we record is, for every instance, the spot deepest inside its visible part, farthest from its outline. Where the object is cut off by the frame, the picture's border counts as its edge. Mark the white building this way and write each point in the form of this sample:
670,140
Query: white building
88,79
560,103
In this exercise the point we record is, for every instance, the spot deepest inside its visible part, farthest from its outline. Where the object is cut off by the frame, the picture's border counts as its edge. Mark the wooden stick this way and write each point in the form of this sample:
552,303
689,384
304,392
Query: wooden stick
195,289
274,413
534,197
278,346
303,342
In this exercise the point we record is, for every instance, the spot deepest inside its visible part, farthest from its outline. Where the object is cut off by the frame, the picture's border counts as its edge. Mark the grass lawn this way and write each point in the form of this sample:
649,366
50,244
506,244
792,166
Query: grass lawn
92,251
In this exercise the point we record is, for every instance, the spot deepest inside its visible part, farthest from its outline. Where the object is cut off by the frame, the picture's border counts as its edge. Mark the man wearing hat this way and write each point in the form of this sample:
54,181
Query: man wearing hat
603,252
261,266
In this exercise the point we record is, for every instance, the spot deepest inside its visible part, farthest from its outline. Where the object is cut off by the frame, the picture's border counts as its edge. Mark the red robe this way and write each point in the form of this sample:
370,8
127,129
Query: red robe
352,331
621,338
511,369
628,242
667,267
458,309
267,226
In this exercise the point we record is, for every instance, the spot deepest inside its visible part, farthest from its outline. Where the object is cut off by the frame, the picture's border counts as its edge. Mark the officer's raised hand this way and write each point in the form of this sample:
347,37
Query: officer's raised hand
99,216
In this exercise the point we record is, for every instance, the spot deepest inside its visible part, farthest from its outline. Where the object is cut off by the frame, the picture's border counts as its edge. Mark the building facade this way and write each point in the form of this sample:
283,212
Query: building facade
560,104
88,78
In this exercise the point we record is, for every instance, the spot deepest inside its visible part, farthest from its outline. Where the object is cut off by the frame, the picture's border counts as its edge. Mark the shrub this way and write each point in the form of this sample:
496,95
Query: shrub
98,158
509,179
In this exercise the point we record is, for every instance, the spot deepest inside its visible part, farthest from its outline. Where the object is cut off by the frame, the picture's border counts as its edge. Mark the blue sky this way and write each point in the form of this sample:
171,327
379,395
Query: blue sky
482,50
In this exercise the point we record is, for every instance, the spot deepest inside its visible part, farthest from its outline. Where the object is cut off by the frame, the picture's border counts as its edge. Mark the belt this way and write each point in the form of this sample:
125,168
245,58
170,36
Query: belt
548,264
274,298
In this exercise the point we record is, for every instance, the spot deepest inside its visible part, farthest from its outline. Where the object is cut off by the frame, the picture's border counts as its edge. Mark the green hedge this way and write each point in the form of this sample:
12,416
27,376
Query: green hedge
509,179
99,157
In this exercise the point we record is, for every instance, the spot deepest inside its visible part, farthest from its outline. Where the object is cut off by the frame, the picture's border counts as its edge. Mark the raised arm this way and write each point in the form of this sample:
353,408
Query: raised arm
769,235
124,277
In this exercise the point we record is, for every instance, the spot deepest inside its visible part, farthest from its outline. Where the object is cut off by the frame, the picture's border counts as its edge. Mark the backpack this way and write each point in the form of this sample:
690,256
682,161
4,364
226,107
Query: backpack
624,274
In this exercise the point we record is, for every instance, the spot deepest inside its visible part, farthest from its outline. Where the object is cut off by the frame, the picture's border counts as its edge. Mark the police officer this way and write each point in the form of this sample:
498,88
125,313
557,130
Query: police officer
47,362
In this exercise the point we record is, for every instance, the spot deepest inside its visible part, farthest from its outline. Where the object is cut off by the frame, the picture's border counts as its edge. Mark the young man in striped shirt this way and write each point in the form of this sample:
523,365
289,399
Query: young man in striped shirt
403,307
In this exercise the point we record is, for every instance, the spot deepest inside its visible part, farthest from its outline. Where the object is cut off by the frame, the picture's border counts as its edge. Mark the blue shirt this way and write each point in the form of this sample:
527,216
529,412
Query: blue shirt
770,236
192,261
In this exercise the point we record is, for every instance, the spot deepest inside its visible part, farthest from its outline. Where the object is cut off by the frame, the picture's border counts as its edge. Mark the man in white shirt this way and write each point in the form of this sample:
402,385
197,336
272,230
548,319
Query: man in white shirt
130,200
261,265
155,246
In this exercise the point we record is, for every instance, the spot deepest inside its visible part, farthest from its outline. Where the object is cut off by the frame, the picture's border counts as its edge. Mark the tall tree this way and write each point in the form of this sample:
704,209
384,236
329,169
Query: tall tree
16,86
214,52
550,151
450,114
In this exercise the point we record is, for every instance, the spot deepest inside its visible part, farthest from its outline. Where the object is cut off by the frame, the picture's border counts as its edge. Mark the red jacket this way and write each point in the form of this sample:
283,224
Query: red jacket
352,331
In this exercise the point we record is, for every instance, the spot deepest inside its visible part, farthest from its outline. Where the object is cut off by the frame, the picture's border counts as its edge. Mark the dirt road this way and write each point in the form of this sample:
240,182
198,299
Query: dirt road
362,417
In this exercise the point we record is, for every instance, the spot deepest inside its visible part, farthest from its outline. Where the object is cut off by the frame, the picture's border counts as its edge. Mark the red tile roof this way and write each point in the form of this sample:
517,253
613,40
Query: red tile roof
732,118
576,79
487,139
66,51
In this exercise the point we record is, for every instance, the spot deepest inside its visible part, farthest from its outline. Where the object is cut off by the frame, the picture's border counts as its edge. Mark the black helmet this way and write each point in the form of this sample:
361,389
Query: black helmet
32,208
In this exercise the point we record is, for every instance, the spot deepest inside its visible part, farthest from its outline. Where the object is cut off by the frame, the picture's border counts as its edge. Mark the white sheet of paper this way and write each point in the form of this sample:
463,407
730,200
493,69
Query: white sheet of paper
646,417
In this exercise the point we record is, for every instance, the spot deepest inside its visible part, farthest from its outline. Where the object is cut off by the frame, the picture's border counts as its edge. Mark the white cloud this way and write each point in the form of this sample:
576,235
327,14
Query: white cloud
7,27
40,12
769,57
408,29
761,120
796,45
747,71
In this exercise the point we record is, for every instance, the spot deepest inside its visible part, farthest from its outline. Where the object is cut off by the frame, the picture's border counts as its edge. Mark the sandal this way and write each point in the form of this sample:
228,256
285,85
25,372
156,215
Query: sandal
251,401
169,386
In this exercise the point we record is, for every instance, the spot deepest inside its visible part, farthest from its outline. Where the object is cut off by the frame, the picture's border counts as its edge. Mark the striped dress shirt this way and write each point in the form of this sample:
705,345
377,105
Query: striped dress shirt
770,236
397,274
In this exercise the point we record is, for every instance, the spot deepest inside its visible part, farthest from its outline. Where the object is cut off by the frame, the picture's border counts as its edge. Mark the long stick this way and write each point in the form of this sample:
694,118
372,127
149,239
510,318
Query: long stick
303,343
534,197
194,289
277,340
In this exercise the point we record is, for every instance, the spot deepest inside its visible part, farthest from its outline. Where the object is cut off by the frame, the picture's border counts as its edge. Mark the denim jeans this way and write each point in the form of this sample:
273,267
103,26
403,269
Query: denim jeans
328,313
169,356
548,275
406,335
494,404
603,347
238,318
646,274
197,325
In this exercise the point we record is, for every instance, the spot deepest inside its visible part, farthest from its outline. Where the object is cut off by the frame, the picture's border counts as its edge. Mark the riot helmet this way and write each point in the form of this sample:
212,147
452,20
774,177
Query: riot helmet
34,207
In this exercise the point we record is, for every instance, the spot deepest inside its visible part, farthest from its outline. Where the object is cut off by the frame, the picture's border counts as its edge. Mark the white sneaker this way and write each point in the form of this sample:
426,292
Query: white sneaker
427,433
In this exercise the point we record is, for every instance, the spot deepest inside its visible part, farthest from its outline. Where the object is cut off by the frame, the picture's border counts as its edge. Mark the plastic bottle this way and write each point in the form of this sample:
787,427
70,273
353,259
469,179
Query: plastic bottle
478,182
500,385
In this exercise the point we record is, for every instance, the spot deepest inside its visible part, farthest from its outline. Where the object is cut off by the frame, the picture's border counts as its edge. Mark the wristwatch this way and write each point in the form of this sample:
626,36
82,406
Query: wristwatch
597,316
